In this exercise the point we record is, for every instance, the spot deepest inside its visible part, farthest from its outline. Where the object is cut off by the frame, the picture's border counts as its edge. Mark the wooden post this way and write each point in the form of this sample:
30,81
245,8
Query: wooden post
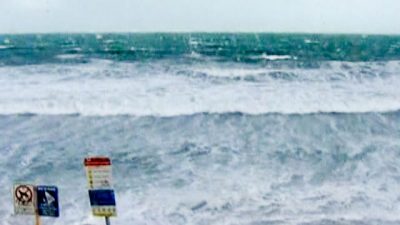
37,218
108,220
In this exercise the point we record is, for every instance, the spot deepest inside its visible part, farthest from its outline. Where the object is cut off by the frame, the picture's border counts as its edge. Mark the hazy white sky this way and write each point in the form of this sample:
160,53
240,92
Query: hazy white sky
332,16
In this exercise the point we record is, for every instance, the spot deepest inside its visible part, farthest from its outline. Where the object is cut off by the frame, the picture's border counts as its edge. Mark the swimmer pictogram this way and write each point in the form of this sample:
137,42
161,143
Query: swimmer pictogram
23,195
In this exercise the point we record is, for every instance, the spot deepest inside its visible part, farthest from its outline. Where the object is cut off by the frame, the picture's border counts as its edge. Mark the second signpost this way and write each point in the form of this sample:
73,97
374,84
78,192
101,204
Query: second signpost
101,193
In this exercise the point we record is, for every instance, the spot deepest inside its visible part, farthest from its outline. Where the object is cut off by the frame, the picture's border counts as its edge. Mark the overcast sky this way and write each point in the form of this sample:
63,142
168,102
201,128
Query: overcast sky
327,16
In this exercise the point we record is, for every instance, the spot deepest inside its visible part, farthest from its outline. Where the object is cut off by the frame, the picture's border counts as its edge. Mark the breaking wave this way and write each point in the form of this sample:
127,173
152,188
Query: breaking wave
165,88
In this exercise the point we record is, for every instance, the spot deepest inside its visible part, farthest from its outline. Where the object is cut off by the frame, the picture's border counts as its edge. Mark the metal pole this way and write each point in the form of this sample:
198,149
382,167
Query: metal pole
108,220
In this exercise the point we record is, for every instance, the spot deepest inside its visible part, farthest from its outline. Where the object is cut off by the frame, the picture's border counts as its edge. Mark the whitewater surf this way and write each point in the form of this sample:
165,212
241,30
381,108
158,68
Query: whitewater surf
206,128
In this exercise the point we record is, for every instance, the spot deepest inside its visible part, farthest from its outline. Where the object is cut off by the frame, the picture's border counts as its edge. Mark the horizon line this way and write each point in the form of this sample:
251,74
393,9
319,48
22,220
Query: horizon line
201,32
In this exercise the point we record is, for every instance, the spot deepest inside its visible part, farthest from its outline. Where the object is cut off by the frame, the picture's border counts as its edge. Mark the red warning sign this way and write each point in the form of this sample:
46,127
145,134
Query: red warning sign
97,161
98,172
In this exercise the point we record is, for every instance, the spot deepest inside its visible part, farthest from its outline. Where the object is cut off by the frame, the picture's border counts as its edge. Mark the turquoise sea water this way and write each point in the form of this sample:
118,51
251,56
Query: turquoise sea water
206,128
246,47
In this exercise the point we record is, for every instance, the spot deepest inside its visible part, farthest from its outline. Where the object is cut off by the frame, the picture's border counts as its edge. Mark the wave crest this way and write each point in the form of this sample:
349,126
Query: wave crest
165,88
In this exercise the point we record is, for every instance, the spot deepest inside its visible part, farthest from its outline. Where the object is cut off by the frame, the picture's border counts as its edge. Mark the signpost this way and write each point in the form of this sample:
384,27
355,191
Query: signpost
36,200
101,193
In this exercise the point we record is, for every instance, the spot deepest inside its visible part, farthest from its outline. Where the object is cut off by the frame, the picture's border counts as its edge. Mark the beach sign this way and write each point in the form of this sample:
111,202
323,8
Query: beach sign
47,201
101,193
98,172
24,199
102,202
36,200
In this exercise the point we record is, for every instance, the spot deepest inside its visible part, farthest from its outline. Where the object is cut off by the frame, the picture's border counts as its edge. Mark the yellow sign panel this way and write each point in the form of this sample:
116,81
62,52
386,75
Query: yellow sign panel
107,211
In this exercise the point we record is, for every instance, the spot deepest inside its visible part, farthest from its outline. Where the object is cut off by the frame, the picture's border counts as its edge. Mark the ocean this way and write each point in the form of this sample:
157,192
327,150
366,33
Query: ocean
206,128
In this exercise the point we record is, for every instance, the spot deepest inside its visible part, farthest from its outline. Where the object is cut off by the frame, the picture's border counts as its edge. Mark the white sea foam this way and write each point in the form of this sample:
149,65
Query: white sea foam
69,56
275,57
309,41
109,88
212,169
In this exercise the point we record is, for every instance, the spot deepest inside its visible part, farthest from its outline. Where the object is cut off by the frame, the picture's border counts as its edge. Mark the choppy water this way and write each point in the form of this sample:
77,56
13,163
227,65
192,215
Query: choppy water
206,128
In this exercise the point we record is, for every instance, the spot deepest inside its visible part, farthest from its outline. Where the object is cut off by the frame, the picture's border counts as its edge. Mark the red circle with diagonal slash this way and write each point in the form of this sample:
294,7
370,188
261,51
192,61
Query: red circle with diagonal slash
23,195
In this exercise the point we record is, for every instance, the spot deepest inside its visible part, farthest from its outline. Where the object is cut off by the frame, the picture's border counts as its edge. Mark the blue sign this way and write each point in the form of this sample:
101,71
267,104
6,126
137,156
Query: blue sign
102,197
47,201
